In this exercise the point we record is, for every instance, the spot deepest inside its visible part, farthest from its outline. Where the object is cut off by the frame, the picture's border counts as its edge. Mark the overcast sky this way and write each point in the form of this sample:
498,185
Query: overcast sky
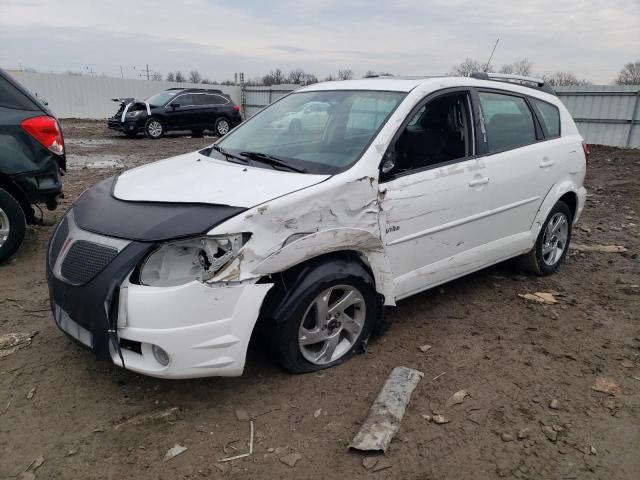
592,38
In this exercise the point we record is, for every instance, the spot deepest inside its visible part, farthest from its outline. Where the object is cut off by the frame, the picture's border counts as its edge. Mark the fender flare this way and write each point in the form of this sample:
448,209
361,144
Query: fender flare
312,245
552,197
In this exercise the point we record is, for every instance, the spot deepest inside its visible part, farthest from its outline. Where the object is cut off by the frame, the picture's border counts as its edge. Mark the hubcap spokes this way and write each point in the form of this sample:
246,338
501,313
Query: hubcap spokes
155,129
332,324
5,228
554,241
223,128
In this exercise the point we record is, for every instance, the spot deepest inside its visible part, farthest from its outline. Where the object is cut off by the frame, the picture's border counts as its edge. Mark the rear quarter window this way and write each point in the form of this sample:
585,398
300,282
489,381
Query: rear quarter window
11,97
549,116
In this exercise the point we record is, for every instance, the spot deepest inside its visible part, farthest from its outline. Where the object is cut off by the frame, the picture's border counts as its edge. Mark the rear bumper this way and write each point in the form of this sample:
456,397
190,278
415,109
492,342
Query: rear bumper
582,199
45,185
205,330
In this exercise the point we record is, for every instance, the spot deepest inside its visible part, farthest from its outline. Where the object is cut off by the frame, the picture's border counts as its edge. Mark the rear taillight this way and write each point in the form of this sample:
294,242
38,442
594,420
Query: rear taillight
236,108
46,131
587,153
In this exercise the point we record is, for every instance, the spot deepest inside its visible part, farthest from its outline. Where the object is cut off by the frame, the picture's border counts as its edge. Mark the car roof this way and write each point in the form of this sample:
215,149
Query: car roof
407,84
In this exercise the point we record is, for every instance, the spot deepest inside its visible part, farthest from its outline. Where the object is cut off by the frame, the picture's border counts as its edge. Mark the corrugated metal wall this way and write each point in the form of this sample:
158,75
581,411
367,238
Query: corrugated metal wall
605,114
71,96
255,98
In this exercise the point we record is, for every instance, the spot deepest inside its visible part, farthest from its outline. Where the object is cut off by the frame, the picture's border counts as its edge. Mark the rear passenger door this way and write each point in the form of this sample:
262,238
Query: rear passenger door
519,164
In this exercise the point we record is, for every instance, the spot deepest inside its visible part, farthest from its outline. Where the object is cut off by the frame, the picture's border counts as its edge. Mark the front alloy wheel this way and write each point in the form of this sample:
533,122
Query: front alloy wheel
332,324
222,127
154,128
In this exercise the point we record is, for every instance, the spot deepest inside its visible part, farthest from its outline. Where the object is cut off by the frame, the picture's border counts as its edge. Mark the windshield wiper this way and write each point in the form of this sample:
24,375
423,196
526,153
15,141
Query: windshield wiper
229,155
271,160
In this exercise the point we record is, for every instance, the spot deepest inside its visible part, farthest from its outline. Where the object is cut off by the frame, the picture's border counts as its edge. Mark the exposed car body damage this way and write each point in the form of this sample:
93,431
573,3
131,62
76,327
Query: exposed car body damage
213,233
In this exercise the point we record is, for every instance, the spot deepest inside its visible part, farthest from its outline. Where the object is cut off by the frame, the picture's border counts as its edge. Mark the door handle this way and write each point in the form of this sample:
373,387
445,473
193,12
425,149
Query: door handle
479,181
546,163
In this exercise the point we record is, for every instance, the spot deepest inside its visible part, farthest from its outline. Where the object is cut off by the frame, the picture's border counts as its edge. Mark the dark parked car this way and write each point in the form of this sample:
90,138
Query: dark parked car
32,161
194,109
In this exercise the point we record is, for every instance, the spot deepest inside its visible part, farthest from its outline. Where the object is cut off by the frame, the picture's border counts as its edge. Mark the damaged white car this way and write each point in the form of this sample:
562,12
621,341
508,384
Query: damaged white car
303,236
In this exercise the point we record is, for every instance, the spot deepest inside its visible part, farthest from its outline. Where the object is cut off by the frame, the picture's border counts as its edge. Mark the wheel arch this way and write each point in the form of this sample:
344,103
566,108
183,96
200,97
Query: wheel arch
355,244
565,191
16,192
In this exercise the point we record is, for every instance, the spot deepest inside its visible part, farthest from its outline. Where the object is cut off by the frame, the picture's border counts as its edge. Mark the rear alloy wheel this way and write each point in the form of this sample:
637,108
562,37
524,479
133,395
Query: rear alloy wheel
552,243
153,128
12,225
222,126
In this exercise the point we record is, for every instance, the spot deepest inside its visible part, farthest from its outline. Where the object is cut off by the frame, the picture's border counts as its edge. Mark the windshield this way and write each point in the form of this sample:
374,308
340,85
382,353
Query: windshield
160,99
321,132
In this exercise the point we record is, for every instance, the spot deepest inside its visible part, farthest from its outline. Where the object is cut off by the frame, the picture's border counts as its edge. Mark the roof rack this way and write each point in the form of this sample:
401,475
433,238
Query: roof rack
211,90
531,82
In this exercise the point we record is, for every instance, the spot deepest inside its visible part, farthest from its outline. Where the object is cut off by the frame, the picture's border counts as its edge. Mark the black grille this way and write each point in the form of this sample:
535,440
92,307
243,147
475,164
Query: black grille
58,240
85,260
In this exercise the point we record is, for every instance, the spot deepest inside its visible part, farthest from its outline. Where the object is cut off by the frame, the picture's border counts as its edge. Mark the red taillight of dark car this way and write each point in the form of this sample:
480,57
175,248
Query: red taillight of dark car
587,153
236,108
46,131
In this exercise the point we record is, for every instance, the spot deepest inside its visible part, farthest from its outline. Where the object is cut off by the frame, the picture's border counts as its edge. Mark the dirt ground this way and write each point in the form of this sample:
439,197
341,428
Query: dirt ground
89,419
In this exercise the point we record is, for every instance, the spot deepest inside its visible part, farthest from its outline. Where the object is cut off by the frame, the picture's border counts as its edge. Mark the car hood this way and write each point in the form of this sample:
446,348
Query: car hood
196,178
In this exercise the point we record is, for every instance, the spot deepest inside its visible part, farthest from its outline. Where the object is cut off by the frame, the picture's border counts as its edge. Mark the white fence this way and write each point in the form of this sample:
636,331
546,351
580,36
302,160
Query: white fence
71,96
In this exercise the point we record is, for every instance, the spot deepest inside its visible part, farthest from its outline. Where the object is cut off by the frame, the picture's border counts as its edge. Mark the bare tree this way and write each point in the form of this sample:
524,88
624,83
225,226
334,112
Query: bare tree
194,76
179,76
274,77
346,74
329,78
310,78
630,74
171,77
227,82
469,66
370,73
205,81
156,76
519,67
564,78
296,76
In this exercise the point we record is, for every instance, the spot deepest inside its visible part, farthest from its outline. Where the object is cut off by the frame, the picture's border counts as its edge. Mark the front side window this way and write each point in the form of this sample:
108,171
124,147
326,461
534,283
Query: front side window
439,132
321,132
161,99
508,121
549,116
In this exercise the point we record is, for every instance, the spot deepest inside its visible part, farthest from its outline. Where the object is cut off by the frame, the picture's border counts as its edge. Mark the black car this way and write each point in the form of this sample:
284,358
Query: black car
194,109
32,162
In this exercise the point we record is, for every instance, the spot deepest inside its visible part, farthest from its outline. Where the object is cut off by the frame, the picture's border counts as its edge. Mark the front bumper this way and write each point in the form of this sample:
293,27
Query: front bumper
204,329
124,127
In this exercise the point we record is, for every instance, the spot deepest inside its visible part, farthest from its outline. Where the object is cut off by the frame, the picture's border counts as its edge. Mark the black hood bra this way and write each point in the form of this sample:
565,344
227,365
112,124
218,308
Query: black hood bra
99,211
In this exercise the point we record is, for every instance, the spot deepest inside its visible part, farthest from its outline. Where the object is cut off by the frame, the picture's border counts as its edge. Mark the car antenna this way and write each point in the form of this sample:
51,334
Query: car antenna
486,67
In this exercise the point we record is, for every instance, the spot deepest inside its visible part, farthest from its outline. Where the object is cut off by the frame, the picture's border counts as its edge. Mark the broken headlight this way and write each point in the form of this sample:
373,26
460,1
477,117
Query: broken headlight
180,262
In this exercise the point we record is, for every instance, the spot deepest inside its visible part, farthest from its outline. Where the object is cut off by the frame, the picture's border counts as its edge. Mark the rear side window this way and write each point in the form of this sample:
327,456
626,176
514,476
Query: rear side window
549,115
11,97
508,121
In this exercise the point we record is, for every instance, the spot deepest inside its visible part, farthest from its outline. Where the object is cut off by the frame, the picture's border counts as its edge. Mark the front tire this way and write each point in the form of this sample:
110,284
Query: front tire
326,317
153,128
12,225
552,243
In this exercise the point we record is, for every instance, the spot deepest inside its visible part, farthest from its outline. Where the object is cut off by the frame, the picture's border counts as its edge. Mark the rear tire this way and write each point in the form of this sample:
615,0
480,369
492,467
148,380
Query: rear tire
221,126
153,128
339,332
552,243
12,225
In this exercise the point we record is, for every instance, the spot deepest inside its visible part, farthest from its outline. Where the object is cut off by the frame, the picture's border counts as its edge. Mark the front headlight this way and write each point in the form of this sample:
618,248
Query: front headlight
180,262
134,114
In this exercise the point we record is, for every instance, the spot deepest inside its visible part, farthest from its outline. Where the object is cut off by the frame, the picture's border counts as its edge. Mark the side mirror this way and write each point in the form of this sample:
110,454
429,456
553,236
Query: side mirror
174,105
388,162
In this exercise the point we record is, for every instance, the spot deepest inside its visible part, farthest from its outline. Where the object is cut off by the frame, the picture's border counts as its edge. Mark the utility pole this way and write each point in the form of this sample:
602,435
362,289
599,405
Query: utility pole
145,72
121,72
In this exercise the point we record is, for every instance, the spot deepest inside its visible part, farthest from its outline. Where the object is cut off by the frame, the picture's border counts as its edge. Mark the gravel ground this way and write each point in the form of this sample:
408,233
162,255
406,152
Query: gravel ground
529,368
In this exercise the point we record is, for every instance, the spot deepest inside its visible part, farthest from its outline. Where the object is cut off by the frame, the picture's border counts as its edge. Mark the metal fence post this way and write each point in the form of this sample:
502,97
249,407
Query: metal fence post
633,118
